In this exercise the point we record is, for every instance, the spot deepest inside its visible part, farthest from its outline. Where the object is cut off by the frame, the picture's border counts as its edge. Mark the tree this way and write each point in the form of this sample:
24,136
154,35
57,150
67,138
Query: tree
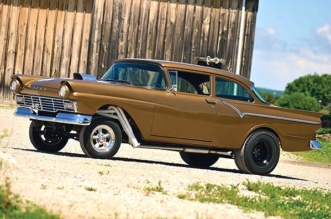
269,97
298,100
317,86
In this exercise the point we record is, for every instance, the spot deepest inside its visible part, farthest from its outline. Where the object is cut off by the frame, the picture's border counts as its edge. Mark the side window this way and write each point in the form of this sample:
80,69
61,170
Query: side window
231,90
190,82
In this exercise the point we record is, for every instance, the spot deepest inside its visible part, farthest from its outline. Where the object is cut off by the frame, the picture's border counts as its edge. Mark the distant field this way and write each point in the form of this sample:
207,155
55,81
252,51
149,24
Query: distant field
275,92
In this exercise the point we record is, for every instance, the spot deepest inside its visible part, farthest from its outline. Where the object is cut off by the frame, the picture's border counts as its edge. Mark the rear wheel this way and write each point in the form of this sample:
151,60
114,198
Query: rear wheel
199,160
259,154
101,139
46,139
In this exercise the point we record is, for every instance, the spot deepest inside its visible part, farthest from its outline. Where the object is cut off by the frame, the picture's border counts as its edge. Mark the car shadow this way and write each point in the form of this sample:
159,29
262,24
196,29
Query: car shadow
68,154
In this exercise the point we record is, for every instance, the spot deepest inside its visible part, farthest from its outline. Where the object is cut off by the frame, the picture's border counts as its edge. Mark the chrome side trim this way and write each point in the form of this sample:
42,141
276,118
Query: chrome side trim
117,113
315,144
66,118
232,107
242,115
281,118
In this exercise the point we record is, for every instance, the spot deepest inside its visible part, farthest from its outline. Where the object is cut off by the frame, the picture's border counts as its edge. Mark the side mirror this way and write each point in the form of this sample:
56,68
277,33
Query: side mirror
174,88
173,75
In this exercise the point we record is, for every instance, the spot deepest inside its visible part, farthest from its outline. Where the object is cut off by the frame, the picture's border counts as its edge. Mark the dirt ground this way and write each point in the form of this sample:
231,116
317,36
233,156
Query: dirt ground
75,186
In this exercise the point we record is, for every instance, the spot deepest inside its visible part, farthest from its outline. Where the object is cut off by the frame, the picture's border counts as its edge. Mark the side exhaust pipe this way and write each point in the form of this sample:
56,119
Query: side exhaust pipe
117,113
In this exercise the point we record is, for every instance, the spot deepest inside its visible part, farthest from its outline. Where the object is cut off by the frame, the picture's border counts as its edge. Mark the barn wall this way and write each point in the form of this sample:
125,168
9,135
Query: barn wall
59,37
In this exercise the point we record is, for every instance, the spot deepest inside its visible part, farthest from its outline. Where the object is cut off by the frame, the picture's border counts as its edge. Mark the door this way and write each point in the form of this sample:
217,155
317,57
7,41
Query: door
185,113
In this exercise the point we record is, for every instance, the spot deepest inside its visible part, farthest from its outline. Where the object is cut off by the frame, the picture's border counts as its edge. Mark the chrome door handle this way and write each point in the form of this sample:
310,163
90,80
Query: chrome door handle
211,101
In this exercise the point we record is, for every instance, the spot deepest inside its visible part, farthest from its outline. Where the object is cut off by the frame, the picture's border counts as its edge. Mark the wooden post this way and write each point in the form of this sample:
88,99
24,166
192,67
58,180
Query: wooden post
179,31
49,38
84,53
58,38
68,38
171,24
40,38
94,52
188,31
11,49
105,41
133,29
3,45
196,31
123,35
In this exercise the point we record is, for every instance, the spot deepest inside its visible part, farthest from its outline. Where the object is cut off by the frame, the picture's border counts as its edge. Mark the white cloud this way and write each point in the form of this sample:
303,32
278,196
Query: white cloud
325,32
268,39
281,68
271,31
275,65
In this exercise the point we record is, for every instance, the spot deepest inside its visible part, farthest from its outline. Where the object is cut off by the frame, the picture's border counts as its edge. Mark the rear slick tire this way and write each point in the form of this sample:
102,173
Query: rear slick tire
259,154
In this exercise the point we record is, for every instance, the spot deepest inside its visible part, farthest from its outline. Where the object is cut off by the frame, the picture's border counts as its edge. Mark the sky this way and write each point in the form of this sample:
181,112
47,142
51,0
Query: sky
292,39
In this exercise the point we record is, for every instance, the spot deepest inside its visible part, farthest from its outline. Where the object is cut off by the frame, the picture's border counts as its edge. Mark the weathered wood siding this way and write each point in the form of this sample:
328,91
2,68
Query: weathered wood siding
59,37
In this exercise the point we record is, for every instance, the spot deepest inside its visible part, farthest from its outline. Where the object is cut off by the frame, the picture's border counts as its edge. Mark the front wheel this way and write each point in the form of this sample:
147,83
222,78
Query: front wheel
259,154
101,139
199,160
46,139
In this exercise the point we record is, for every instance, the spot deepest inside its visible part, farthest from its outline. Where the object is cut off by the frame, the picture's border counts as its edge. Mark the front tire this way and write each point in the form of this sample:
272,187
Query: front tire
44,139
101,139
199,160
259,154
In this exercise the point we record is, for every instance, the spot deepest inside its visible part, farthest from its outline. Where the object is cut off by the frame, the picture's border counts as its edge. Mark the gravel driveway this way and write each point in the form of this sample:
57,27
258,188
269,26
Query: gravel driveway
79,187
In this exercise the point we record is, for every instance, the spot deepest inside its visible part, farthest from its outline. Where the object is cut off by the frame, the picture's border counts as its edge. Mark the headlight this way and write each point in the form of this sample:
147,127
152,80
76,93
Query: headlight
15,85
64,91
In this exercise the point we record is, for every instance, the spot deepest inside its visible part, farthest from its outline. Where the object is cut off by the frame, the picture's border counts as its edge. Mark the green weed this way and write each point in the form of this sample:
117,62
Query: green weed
158,188
319,156
90,189
4,133
270,199
11,206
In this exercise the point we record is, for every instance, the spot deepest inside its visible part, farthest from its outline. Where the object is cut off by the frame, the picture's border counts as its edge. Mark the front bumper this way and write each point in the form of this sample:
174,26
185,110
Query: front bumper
66,118
315,144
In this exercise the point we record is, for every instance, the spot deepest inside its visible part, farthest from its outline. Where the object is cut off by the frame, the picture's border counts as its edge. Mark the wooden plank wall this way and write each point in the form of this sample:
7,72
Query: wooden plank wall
59,37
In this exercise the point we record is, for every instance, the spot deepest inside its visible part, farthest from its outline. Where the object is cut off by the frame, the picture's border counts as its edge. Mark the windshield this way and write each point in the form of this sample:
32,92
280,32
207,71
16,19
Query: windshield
256,92
144,75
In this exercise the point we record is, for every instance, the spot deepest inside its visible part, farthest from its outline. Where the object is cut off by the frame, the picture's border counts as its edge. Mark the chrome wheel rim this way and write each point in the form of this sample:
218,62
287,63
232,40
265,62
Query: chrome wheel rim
102,138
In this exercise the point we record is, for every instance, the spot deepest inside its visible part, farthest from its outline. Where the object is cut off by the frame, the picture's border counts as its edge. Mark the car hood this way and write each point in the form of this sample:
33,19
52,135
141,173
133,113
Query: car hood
45,86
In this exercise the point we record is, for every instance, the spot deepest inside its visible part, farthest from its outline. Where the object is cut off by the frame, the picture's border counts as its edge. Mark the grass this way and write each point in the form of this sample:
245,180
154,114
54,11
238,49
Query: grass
158,188
272,200
319,156
7,106
11,206
90,189
4,133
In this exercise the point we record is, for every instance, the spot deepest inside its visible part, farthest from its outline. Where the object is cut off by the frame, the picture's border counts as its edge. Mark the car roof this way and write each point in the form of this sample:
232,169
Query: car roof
192,67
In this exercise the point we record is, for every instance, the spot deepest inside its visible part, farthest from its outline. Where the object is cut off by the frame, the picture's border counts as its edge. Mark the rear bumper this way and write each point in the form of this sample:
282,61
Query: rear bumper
315,144
66,118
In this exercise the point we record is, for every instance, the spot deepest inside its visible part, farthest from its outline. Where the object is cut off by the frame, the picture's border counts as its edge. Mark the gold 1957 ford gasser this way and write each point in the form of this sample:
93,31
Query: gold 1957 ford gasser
204,113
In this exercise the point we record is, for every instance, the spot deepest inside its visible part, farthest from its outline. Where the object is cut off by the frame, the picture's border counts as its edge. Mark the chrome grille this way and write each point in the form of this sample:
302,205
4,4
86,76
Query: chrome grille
41,103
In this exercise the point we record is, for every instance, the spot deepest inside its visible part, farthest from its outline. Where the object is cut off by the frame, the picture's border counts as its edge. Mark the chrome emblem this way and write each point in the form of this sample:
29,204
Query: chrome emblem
39,88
